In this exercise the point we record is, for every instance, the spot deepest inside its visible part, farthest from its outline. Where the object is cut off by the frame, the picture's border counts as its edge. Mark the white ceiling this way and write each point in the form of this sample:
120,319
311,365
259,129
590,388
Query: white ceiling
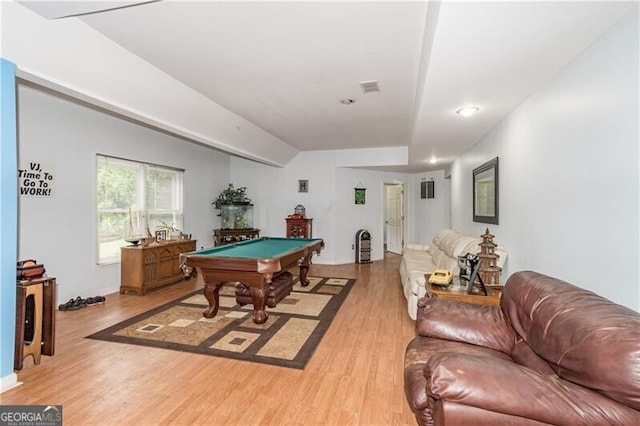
284,66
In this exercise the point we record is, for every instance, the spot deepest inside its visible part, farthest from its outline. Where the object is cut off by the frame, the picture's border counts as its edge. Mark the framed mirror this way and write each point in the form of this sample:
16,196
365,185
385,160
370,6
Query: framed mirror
485,192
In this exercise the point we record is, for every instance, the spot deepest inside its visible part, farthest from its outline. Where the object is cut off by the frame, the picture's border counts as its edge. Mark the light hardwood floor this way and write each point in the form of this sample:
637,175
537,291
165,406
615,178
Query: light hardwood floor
354,377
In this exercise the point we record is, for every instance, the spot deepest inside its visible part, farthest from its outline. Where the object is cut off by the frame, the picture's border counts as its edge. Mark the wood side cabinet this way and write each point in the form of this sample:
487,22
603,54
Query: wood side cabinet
145,268
222,237
299,227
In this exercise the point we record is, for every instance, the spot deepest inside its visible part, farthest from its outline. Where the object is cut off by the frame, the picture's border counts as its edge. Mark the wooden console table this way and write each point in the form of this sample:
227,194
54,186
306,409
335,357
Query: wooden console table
455,291
155,265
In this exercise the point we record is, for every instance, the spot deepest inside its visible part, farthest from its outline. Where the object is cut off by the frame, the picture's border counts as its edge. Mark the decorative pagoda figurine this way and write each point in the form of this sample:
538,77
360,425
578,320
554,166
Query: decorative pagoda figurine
489,270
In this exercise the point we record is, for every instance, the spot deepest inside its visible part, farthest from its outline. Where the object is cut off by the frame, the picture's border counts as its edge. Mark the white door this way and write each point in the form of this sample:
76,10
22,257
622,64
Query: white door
394,217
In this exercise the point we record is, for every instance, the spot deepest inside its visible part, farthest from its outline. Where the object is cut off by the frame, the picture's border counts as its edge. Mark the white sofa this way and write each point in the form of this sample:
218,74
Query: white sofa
443,253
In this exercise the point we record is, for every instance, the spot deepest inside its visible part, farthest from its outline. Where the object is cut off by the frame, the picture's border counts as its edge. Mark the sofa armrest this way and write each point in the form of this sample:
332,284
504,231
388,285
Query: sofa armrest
463,322
505,387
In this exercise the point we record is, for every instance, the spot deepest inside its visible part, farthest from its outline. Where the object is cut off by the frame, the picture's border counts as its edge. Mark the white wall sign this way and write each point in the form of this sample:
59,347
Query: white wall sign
35,178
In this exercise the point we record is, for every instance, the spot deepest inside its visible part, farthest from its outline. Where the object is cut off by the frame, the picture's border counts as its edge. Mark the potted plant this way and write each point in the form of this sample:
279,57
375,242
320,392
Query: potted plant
232,195
236,210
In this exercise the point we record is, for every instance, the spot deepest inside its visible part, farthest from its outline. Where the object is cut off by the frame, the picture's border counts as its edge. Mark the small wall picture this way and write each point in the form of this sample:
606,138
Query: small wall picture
360,195
303,185
161,236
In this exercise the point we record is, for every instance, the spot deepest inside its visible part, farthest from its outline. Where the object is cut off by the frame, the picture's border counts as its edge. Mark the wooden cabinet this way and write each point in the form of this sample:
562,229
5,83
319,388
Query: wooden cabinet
145,268
299,227
230,236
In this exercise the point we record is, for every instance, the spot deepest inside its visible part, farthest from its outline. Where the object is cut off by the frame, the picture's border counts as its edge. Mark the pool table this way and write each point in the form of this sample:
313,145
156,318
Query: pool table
254,263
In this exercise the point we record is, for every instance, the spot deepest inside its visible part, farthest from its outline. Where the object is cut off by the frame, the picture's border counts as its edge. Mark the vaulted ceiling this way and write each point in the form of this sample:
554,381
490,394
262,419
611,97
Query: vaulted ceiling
285,66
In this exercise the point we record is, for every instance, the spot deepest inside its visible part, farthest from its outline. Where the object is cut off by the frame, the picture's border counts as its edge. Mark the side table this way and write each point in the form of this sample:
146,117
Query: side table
35,320
455,291
299,227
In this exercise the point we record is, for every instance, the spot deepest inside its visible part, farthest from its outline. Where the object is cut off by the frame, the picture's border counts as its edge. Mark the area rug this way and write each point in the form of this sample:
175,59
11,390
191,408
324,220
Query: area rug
288,338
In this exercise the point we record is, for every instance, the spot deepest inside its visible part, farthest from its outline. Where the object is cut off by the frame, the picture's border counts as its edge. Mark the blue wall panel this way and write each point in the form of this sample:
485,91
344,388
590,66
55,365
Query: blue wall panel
8,215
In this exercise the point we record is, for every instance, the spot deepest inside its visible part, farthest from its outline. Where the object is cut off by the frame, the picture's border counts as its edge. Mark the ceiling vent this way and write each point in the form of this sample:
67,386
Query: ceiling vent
370,86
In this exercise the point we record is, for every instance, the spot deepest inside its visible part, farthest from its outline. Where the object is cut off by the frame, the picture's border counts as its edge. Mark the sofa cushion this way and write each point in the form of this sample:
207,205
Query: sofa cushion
466,244
599,350
448,245
454,244
464,322
416,259
441,236
524,355
449,264
462,414
418,353
471,247
419,247
437,256
502,386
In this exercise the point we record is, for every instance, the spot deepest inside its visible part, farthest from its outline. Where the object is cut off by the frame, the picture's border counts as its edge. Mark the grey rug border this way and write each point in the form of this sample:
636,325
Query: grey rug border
300,361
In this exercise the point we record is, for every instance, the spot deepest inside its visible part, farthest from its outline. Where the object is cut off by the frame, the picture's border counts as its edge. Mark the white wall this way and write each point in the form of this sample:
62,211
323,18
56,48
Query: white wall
266,191
330,199
60,231
429,215
350,217
569,172
274,192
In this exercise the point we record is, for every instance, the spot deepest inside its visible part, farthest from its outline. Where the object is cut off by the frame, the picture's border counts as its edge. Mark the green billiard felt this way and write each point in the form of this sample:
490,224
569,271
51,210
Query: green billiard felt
259,248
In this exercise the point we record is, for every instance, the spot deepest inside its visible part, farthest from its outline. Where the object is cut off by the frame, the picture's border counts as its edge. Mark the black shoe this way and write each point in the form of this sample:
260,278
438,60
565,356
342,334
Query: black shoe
95,300
71,305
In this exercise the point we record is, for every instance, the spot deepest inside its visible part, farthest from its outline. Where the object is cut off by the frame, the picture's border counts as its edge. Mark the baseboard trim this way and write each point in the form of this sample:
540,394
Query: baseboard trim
9,381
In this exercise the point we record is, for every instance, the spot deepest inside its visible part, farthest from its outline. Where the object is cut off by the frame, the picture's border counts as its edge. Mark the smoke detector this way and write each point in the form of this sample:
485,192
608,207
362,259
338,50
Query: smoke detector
370,86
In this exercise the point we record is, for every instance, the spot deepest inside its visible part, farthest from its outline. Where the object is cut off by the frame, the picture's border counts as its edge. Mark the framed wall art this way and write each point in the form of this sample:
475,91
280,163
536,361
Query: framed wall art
303,185
485,193
360,195
427,189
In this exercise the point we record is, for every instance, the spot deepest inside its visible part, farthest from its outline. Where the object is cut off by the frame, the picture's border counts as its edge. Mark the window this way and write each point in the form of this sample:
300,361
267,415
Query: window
132,198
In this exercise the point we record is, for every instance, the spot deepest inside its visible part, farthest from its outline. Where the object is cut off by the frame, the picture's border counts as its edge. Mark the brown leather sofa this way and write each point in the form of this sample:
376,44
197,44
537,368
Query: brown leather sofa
551,353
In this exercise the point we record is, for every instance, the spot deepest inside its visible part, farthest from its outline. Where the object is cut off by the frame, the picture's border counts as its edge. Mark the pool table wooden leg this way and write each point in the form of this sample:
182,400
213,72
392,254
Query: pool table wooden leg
211,293
304,269
259,299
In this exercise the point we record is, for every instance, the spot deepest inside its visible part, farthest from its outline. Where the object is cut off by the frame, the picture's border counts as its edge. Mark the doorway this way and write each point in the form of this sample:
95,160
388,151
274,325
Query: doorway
393,217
